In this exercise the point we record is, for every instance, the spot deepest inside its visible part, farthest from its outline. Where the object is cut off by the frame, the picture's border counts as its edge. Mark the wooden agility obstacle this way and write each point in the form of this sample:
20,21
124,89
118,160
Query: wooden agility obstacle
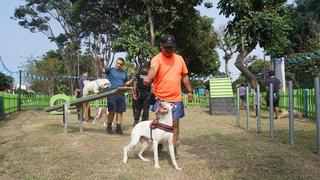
65,107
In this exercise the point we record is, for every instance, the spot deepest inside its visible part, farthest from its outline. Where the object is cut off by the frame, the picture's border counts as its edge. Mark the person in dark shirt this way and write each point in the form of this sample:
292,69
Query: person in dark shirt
276,83
140,94
79,90
243,95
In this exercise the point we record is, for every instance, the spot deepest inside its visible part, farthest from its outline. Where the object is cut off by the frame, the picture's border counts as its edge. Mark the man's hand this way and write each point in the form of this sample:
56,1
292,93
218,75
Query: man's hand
134,97
129,83
190,98
147,81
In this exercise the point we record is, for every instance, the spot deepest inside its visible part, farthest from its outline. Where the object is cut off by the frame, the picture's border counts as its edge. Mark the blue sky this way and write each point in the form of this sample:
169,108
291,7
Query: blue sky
17,43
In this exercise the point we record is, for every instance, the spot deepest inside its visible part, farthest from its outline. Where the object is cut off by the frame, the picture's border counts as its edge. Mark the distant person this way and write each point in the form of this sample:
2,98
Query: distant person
140,94
201,91
242,94
79,90
276,89
116,103
256,101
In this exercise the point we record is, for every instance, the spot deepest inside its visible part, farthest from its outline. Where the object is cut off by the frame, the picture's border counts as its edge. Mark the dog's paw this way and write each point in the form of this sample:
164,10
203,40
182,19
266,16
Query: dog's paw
156,166
178,168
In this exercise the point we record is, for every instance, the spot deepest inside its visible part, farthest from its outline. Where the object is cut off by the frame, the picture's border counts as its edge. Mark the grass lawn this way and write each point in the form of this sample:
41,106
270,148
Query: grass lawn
34,146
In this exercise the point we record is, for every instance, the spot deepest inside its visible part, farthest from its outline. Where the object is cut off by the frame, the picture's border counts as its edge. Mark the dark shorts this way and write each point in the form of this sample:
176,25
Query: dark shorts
242,97
177,112
276,100
117,103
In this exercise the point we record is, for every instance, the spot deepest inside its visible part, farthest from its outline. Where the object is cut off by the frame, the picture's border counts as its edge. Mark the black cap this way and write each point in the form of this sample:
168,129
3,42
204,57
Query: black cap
168,40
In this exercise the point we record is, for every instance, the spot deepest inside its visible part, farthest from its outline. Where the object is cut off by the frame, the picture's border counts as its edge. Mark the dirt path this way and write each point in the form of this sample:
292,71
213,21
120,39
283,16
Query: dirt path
33,146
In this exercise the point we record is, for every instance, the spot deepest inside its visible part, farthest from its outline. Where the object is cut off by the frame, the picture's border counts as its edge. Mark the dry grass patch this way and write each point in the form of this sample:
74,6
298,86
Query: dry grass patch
33,146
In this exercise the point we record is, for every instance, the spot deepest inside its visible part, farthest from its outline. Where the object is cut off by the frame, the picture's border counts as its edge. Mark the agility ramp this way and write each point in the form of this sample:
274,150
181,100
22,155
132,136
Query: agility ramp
65,106
221,97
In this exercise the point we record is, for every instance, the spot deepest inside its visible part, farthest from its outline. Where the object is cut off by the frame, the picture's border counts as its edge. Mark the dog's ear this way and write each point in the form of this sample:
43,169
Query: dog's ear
158,107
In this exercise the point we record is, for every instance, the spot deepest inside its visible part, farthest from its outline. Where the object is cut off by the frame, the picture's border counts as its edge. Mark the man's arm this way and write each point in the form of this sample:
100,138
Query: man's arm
187,84
151,74
134,90
102,70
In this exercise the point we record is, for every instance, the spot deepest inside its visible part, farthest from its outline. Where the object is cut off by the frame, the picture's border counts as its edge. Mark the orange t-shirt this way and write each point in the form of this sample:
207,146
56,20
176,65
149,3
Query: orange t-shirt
167,82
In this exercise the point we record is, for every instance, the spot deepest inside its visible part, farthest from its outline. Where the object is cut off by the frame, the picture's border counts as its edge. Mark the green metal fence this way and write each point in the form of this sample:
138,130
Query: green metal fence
10,102
198,101
304,101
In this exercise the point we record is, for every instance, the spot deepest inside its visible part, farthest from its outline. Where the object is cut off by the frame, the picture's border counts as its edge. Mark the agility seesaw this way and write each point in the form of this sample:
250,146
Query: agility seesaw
68,104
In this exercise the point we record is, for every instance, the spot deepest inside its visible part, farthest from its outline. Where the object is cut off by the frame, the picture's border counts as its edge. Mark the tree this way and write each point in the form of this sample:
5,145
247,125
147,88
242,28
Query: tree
6,82
196,43
305,19
303,65
256,22
43,16
302,72
46,75
258,68
225,44
138,25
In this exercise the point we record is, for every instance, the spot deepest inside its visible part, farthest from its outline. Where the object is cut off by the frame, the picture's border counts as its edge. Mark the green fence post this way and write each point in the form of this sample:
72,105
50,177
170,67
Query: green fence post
305,102
19,94
2,113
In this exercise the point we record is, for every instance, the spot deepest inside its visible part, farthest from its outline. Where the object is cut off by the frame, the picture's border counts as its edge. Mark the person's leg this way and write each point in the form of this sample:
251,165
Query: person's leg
85,109
135,112
110,117
119,117
89,112
175,127
276,108
277,111
109,122
78,110
139,107
145,108
177,113
120,108
154,109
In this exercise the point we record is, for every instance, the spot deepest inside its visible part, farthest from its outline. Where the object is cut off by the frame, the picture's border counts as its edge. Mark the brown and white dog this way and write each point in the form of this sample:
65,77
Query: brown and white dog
145,133
95,86
101,112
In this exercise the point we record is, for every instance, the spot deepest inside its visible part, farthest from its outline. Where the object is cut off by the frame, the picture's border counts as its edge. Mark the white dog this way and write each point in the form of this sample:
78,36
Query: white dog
101,112
144,133
94,86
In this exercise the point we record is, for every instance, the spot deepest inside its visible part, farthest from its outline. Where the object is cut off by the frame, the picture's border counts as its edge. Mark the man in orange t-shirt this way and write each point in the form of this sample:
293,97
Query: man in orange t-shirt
167,71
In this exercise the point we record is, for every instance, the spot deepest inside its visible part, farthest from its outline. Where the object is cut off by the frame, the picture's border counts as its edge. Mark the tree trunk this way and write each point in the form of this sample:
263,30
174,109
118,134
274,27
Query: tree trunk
151,26
226,67
239,64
